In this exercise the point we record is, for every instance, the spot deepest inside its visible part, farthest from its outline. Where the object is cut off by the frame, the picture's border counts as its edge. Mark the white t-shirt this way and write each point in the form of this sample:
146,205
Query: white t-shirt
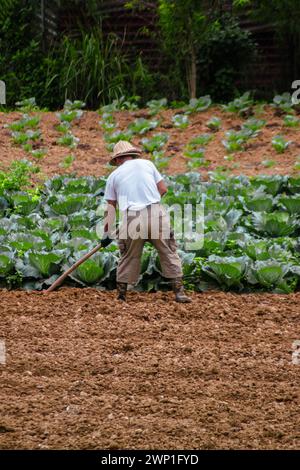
133,185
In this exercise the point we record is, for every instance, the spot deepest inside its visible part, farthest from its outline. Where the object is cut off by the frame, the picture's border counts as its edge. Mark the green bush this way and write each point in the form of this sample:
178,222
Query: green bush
17,177
226,52
23,65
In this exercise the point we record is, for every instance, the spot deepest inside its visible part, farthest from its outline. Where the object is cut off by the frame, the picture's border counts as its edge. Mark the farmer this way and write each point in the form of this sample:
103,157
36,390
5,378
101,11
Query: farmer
136,187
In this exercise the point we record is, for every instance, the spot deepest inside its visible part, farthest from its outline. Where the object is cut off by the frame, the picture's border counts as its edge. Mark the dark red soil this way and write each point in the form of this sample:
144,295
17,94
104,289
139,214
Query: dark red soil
91,155
85,371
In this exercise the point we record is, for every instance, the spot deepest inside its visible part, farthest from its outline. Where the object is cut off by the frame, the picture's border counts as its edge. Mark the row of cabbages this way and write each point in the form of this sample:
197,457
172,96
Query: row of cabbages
251,234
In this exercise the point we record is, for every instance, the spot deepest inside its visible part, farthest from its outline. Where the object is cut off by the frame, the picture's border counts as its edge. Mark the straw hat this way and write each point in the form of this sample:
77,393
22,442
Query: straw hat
123,148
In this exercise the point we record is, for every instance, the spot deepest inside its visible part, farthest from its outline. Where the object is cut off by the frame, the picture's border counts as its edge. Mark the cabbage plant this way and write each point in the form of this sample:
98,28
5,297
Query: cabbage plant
283,103
202,139
290,203
275,224
95,269
156,106
280,144
227,271
197,105
254,125
6,264
239,105
291,121
141,125
46,263
180,121
154,143
272,275
68,140
214,124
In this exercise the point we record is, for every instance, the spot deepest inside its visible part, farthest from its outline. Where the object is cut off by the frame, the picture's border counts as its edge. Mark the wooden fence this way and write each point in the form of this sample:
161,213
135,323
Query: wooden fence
136,32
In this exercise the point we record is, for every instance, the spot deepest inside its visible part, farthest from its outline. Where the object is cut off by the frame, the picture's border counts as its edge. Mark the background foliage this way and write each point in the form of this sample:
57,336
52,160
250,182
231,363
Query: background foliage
203,51
97,69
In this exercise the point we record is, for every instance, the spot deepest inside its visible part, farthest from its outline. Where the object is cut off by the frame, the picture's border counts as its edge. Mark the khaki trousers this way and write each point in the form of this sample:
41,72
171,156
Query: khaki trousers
151,224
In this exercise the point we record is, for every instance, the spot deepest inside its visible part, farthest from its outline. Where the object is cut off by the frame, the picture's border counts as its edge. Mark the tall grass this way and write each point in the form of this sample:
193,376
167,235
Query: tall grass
6,7
94,69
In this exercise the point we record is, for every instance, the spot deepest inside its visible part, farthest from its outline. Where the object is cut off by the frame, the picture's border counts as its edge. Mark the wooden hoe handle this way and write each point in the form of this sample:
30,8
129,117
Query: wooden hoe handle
72,268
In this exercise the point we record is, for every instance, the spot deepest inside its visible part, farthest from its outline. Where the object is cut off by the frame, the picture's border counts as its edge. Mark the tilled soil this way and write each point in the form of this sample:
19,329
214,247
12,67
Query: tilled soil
84,371
91,155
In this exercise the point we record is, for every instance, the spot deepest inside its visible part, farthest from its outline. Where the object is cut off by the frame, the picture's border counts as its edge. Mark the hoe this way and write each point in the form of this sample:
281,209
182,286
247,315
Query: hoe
59,281
103,244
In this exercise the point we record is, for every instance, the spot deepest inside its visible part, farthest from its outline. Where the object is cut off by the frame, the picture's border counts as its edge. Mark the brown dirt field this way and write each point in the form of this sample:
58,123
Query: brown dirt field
84,371
91,155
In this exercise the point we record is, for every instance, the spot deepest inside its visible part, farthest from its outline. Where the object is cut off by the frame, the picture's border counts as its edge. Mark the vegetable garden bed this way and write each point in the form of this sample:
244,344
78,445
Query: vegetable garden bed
251,234
244,137
79,369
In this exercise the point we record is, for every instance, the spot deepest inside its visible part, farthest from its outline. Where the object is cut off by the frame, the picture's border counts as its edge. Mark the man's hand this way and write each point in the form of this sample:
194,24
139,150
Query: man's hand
109,216
106,240
162,187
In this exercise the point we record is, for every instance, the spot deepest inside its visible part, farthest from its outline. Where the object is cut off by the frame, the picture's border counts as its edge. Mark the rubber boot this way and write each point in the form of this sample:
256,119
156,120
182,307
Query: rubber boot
122,289
178,288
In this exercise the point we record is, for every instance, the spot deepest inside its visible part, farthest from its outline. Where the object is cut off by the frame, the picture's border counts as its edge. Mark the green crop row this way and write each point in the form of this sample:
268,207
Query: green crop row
251,233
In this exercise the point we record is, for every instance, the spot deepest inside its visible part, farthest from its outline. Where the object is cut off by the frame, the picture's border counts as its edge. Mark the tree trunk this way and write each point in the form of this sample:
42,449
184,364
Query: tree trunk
296,47
192,74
